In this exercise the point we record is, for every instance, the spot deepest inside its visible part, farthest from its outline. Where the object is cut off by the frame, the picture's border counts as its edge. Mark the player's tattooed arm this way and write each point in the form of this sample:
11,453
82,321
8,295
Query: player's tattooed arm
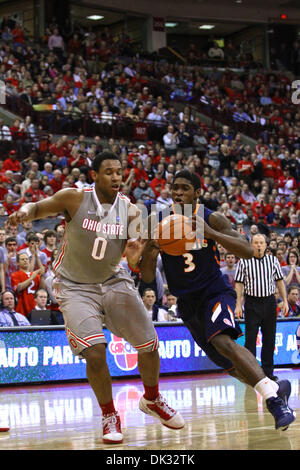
220,230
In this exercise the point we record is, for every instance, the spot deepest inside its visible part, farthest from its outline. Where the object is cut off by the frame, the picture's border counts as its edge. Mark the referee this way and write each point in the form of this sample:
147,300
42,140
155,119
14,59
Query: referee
258,278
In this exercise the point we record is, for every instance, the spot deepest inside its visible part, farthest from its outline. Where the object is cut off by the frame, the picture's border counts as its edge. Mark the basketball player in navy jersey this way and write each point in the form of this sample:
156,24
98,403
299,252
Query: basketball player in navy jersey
206,300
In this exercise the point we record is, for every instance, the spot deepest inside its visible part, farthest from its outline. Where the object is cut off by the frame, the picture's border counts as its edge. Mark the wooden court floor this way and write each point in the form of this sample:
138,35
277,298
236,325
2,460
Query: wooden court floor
220,414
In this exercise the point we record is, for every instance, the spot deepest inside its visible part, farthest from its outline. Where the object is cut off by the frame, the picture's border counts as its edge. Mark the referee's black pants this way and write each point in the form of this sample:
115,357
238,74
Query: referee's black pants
261,312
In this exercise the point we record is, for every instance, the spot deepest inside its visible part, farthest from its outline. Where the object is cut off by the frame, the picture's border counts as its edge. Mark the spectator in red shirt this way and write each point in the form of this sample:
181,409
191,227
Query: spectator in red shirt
11,163
77,160
277,166
158,181
50,239
140,173
46,143
10,205
245,166
282,202
25,284
262,200
18,136
277,99
286,183
3,188
258,211
57,181
18,34
133,157
34,189
60,148
294,221
276,118
268,166
74,45
16,130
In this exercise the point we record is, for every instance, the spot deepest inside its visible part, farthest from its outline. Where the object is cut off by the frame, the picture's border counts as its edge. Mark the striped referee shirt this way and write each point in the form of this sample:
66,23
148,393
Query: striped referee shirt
259,275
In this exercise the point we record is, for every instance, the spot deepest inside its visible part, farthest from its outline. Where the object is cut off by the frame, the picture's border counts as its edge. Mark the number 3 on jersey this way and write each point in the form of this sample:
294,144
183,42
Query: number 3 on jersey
188,263
99,252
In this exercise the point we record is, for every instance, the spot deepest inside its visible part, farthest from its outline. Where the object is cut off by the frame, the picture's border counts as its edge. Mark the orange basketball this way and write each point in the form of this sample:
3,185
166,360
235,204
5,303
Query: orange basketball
175,235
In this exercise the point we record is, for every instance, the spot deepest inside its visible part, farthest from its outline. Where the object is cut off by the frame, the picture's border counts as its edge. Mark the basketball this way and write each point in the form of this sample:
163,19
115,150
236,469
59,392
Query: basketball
175,235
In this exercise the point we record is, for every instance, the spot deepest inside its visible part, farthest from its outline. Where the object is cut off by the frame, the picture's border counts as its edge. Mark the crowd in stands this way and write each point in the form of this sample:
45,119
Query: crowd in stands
84,76
255,186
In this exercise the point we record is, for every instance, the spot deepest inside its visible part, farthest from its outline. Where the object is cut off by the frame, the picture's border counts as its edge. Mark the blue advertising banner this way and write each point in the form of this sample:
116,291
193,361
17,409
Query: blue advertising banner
34,355
286,352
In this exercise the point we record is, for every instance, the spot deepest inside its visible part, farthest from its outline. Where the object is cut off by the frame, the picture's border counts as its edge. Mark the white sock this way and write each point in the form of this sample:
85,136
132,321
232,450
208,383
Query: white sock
267,388
275,385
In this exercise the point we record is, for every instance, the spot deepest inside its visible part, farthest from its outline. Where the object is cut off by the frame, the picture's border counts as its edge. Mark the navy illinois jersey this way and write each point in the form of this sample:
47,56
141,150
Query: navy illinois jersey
197,270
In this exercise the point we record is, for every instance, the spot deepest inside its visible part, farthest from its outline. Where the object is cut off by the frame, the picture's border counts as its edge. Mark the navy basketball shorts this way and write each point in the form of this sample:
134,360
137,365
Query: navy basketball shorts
208,318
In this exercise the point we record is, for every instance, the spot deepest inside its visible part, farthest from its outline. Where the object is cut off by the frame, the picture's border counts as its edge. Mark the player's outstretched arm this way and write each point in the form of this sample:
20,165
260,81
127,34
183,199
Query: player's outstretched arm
63,200
221,231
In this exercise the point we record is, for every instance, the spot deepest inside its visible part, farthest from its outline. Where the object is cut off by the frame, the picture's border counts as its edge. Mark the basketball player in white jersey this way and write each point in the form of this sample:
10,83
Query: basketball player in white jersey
93,288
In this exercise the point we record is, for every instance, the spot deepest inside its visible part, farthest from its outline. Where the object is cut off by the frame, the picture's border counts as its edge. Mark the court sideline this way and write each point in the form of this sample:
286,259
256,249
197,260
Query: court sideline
220,414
